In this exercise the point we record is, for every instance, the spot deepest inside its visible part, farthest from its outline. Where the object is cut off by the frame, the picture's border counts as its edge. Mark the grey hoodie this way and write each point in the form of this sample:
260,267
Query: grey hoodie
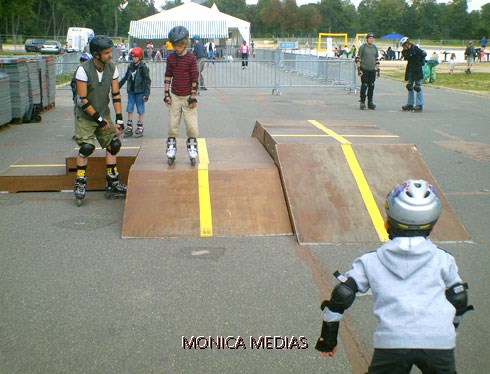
408,278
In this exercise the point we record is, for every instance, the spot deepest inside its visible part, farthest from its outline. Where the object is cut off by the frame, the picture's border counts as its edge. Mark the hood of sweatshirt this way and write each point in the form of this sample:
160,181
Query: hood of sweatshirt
403,256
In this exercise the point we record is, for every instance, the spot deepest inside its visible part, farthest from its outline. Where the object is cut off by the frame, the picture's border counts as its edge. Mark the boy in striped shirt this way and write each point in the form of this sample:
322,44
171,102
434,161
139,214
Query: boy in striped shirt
181,82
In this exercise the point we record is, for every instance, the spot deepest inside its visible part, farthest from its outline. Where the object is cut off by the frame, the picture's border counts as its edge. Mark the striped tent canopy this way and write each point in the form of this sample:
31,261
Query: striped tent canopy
198,19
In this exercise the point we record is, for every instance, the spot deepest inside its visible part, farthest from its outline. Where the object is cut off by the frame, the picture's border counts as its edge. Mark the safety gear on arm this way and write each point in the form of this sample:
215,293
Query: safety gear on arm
458,296
101,122
167,99
120,121
328,337
343,294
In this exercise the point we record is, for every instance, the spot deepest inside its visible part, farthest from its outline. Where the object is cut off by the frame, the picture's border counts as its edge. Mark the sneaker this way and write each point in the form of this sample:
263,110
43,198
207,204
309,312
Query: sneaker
418,108
362,106
203,88
407,108
371,105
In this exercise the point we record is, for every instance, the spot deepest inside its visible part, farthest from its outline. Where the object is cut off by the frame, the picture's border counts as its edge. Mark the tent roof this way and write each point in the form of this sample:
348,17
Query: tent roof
198,19
393,35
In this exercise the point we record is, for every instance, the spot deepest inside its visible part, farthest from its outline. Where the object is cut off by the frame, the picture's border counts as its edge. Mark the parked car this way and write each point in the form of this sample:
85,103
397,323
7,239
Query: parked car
33,45
52,47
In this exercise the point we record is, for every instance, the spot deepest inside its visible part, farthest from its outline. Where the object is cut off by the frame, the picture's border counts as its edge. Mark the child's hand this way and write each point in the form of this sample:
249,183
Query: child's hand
145,98
328,354
192,102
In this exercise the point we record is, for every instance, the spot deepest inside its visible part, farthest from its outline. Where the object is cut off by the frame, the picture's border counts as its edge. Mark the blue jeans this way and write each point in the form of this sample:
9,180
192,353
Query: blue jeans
419,100
134,98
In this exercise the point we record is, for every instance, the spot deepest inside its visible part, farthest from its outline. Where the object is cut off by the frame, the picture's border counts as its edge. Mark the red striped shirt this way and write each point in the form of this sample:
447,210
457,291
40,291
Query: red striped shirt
183,71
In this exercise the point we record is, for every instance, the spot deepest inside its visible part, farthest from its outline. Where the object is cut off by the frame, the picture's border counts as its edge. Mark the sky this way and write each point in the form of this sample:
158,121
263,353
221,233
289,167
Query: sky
472,4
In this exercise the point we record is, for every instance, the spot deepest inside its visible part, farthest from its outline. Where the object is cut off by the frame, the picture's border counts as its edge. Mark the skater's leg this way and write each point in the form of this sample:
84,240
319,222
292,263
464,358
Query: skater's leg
140,106
370,90
114,188
364,87
420,96
190,119
175,115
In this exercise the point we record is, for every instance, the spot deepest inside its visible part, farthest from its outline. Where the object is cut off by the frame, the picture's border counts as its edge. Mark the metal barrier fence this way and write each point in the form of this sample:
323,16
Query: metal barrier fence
269,69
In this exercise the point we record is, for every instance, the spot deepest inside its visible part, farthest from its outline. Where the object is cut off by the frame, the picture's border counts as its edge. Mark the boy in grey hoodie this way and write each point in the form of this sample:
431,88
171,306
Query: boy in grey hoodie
419,297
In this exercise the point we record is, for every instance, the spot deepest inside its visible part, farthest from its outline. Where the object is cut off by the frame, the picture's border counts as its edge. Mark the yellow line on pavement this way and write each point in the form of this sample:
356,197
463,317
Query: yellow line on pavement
361,181
205,216
327,136
36,165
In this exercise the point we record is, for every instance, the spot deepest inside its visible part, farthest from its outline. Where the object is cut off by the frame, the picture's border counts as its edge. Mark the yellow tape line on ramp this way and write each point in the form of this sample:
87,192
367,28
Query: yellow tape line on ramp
361,181
206,219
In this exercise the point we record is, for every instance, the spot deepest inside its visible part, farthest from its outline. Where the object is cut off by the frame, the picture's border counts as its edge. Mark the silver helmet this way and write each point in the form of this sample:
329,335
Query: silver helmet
404,40
413,205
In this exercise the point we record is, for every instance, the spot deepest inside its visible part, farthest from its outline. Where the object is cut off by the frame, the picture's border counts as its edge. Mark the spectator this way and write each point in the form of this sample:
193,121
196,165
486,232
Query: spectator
200,54
245,51
452,63
469,55
149,50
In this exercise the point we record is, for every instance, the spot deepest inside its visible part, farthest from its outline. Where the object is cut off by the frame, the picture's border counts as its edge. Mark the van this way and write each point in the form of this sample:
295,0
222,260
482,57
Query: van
33,45
77,38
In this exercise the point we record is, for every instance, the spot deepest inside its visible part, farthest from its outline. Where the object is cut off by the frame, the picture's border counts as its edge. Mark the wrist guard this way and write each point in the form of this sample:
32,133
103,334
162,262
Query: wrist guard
191,100
328,338
166,98
99,119
120,121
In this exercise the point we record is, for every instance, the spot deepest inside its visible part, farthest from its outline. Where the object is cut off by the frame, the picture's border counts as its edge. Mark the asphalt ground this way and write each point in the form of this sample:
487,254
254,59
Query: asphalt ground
76,298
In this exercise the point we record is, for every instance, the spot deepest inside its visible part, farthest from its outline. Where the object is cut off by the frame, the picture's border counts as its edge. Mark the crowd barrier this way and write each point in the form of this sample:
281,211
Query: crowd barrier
268,69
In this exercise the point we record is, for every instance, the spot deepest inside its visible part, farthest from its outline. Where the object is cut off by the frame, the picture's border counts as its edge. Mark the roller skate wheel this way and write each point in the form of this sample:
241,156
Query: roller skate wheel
193,161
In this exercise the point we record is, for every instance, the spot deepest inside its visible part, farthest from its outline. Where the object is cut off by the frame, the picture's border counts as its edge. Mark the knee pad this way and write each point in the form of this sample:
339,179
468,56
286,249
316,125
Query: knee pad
114,147
409,86
86,150
417,88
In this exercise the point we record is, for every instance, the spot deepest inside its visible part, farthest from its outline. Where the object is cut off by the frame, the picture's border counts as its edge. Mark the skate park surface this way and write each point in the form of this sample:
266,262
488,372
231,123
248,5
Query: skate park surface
76,297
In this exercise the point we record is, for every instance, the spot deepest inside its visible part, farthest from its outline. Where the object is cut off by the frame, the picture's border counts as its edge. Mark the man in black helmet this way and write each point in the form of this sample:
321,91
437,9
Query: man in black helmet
367,62
95,80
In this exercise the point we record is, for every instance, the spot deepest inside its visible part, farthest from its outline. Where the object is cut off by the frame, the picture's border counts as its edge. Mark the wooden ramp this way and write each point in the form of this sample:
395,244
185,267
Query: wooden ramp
336,177
234,190
57,172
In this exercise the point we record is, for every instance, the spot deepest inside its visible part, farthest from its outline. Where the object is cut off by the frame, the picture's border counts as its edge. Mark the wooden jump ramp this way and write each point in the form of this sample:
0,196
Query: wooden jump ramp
325,182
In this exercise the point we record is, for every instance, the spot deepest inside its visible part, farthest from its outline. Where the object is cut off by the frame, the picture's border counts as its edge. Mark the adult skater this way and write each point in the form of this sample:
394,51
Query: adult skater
96,79
367,62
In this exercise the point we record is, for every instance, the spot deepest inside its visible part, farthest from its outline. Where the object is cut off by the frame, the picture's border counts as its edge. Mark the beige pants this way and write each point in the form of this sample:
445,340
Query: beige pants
179,108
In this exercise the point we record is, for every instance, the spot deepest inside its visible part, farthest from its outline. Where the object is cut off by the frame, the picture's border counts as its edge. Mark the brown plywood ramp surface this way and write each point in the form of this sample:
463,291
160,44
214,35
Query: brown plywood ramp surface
327,203
57,171
245,192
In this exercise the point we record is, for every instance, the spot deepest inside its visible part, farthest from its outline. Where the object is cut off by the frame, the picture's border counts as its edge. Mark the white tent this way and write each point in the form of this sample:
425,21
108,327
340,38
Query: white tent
209,23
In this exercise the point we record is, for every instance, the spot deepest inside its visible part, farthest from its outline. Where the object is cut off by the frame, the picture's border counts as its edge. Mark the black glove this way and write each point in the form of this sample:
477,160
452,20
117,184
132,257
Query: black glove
328,338
101,122
191,100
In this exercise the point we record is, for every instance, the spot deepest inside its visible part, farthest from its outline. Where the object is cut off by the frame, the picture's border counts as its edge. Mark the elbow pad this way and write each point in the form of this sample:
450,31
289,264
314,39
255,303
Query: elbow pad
343,295
458,296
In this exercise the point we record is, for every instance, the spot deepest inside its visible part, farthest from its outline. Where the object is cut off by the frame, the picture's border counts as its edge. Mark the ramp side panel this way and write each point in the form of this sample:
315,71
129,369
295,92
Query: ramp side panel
161,204
248,202
323,199
387,165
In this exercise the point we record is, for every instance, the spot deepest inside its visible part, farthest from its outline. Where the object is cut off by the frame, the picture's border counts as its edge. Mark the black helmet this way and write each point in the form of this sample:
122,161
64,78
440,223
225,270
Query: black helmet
99,43
369,35
177,34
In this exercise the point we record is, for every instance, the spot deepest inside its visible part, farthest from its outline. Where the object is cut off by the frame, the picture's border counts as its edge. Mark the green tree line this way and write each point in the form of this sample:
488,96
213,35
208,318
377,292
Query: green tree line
269,18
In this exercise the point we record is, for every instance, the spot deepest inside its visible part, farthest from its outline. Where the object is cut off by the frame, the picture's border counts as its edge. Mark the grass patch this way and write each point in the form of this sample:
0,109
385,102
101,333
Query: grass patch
459,80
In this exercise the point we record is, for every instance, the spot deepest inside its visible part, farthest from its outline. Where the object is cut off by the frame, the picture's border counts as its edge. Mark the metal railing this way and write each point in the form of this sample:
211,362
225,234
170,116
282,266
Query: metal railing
269,69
